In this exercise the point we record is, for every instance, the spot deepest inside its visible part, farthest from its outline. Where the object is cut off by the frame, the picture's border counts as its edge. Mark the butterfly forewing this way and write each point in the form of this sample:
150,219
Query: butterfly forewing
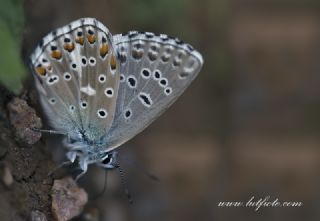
77,75
154,71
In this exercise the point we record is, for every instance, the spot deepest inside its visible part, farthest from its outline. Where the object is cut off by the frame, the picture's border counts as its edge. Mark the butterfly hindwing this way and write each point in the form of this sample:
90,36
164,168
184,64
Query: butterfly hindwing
154,72
77,75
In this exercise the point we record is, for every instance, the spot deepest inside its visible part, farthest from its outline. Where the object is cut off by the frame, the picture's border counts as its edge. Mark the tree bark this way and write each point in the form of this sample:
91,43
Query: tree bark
25,163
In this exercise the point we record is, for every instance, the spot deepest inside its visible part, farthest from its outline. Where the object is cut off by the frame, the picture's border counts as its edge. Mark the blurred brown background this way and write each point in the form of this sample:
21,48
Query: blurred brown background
248,126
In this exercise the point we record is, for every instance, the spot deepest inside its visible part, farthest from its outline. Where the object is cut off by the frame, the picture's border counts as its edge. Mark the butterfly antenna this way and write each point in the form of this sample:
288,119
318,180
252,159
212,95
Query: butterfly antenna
150,175
124,184
104,187
142,169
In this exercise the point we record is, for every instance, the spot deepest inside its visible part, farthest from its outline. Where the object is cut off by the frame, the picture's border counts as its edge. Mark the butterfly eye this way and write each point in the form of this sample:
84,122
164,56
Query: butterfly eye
107,160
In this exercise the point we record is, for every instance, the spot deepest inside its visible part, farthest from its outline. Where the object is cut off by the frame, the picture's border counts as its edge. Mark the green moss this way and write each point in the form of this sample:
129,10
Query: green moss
11,24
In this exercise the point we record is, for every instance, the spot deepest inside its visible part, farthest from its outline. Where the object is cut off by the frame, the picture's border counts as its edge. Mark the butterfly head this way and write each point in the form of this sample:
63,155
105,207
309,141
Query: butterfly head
108,160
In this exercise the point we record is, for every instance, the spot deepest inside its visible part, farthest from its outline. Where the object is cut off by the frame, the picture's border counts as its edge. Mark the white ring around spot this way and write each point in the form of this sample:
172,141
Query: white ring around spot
103,110
102,78
109,89
65,76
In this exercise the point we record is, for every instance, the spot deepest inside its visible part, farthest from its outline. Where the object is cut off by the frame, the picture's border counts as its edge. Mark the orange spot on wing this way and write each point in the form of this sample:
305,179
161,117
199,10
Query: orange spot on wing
80,40
69,47
91,39
56,54
41,71
113,62
104,50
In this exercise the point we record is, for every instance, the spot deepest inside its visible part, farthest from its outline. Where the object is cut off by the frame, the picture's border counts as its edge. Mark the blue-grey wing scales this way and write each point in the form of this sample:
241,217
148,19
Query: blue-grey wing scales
77,75
154,72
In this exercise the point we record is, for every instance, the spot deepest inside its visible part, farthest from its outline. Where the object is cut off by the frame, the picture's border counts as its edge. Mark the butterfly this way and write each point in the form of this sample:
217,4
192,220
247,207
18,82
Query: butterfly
102,89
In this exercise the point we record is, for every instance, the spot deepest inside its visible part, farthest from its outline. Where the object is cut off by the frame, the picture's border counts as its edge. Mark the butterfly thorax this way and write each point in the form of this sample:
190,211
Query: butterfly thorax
86,146
91,153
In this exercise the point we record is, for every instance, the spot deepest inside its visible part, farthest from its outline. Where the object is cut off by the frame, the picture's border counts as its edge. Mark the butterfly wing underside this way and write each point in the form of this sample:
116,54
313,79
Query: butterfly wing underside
154,72
77,76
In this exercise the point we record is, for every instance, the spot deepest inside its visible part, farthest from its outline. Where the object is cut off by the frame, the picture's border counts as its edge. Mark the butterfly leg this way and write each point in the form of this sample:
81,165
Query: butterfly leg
71,155
78,146
83,166
63,164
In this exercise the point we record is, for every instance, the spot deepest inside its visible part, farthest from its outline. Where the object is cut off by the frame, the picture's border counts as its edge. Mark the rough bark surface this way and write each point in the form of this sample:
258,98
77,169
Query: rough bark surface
25,163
